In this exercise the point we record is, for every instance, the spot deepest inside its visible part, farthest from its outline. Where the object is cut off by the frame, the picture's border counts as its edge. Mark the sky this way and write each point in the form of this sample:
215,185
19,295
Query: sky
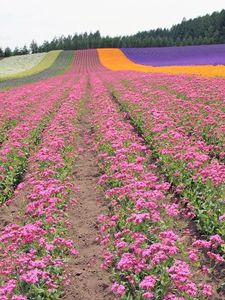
22,21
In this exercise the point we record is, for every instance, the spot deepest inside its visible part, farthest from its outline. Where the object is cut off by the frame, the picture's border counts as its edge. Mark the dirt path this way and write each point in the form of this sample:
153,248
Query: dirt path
89,281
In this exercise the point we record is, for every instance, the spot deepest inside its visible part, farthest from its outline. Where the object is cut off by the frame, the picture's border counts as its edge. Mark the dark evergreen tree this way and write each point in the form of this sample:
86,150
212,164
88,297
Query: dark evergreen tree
1,52
16,51
24,50
33,47
7,52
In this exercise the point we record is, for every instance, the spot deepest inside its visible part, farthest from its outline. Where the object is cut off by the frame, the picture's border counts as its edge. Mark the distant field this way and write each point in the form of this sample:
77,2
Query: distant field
60,64
177,56
116,60
17,64
26,65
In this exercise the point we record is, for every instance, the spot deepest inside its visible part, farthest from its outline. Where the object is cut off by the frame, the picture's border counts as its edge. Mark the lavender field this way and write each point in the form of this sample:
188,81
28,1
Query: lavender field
183,55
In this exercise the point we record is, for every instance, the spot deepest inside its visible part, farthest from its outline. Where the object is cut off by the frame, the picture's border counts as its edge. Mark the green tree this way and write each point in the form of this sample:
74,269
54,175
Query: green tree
34,47
1,52
7,52
16,51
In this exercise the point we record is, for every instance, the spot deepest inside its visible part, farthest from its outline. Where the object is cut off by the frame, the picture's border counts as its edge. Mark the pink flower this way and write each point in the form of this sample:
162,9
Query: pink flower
118,289
148,295
171,296
216,257
222,218
148,282
8,287
31,276
127,262
180,271
19,297
216,239
193,255
202,244
207,290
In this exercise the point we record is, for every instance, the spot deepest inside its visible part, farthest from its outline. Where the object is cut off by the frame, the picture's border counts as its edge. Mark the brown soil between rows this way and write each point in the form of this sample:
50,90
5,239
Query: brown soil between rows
88,280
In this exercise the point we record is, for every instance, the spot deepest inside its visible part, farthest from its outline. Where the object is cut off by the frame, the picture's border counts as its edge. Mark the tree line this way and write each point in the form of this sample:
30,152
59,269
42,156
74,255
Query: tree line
209,29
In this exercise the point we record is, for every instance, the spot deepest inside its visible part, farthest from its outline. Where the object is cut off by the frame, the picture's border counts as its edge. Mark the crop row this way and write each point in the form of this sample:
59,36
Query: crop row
148,246
177,56
208,91
21,139
188,157
34,247
199,113
19,103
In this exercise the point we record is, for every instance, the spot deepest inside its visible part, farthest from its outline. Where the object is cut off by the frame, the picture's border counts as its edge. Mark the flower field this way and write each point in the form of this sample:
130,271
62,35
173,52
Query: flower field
112,180
26,65
177,56
16,64
54,63
115,59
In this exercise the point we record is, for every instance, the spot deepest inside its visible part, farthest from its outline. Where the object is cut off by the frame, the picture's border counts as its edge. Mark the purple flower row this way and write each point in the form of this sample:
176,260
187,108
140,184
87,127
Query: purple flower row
183,55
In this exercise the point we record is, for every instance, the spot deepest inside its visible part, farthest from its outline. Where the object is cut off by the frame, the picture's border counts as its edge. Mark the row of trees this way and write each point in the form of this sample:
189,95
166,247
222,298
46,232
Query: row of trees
209,29
17,51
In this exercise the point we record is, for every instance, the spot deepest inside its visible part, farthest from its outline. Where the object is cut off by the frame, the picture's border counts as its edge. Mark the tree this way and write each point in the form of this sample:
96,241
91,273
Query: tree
7,52
34,47
16,51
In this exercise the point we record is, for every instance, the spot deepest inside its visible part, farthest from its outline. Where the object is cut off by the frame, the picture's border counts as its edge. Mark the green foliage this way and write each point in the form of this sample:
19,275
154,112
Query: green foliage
7,52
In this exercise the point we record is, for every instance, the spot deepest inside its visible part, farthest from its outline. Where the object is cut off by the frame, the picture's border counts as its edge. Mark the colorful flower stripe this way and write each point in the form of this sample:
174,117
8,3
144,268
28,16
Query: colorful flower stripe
44,64
186,161
150,254
16,64
177,56
61,64
34,248
115,59
87,61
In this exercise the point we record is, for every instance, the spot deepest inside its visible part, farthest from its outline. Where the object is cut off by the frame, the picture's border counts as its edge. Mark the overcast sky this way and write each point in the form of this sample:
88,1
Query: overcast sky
24,20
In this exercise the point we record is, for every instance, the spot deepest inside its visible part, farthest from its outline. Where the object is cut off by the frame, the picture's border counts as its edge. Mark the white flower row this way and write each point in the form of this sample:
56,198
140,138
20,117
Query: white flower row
19,63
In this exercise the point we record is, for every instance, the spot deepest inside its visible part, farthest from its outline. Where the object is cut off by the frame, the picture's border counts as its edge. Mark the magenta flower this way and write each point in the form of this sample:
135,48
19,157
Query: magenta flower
118,289
148,282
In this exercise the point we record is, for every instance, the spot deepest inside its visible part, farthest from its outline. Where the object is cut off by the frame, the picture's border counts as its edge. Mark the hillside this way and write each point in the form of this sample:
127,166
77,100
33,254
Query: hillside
54,63
19,63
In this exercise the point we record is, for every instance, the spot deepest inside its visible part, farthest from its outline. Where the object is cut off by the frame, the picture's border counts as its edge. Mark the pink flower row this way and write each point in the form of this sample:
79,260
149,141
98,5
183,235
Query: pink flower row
33,248
143,247
192,164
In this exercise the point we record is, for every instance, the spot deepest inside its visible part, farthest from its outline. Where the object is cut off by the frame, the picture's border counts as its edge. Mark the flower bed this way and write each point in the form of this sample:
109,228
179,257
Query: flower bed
193,165
34,248
151,256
